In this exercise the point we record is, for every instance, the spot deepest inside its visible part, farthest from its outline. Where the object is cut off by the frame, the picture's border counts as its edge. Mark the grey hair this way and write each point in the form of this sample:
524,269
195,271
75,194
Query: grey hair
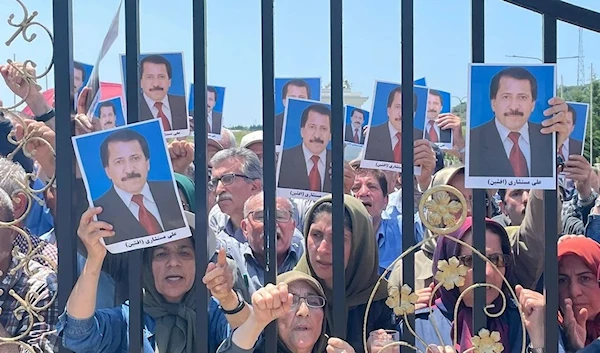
251,166
7,209
261,197
12,176
230,137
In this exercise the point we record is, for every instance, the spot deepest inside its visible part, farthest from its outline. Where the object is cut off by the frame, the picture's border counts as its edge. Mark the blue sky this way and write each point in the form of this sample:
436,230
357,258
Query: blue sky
371,42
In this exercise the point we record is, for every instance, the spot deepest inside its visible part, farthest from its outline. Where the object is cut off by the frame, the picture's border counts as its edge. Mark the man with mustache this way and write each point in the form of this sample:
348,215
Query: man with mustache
295,88
354,130
504,146
107,115
312,153
214,119
133,205
432,131
571,146
385,140
155,80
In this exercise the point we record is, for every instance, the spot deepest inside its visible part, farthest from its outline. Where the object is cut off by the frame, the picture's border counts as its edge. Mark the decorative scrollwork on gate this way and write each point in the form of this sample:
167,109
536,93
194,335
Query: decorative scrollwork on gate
443,216
43,295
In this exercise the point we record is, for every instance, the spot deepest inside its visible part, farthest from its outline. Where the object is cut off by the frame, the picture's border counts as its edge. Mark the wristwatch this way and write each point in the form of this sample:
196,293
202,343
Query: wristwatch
239,307
47,116
535,350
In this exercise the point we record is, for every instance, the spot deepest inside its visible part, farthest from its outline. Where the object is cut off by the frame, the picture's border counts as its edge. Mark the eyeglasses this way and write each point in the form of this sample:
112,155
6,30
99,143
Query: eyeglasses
226,179
312,301
499,260
281,216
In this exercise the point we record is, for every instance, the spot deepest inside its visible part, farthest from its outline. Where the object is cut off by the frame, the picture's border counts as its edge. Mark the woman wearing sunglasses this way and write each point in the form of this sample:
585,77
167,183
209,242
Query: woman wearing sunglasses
296,303
508,323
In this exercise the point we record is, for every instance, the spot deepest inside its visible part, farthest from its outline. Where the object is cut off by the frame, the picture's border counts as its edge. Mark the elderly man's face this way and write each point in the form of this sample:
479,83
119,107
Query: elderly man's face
231,198
254,228
257,148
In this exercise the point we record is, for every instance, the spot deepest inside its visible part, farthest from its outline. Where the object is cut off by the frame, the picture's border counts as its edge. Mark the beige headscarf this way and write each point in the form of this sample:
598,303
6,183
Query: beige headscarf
362,271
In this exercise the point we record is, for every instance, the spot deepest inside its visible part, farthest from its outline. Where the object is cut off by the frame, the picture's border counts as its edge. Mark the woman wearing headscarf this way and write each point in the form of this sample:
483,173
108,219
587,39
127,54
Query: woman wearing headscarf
297,304
169,302
187,192
579,291
507,324
361,262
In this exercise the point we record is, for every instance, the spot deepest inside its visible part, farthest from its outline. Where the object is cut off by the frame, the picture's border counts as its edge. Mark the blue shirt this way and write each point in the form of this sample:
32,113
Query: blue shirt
107,331
39,220
389,239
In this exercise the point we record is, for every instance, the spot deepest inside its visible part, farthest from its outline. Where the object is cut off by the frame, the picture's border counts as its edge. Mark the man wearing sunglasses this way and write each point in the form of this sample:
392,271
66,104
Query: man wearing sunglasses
250,257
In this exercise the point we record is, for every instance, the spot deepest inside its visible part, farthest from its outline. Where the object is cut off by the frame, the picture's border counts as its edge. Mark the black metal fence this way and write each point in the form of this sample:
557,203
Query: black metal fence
66,222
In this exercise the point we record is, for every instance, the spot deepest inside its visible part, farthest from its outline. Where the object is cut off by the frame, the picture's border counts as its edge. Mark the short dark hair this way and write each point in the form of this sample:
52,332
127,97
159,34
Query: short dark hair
125,135
107,104
295,82
79,66
437,94
375,173
213,90
318,108
518,73
398,89
573,112
158,60
357,110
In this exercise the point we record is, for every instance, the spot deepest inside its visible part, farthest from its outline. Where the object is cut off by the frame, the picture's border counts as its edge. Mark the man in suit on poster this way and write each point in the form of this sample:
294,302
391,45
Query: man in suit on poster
155,79
312,153
571,146
135,206
385,140
433,133
354,130
295,88
107,115
510,145
213,119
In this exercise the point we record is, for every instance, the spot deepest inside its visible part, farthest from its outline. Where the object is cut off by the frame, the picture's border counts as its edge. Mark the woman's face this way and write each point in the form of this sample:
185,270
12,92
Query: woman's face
319,244
579,283
174,268
300,328
493,250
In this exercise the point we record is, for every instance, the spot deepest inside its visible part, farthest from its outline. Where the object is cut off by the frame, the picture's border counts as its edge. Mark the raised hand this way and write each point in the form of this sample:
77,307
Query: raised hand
533,304
270,303
219,279
91,231
574,324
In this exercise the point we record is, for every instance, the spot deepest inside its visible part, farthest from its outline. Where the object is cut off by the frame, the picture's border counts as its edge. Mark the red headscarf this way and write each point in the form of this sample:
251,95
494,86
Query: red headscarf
588,250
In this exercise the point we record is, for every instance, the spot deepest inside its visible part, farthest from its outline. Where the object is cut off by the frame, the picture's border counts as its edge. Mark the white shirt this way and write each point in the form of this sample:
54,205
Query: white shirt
393,133
209,119
435,127
148,203
524,143
166,108
309,163
565,149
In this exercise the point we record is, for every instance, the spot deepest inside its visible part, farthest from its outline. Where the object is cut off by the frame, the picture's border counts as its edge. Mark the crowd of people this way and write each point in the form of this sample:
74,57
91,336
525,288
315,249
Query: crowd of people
242,304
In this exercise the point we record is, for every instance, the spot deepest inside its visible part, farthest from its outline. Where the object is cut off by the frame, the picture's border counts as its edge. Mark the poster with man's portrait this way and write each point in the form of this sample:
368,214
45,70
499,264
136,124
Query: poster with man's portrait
127,171
301,88
81,76
577,117
505,146
109,113
383,144
438,102
215,99
304,165
162,91
355,123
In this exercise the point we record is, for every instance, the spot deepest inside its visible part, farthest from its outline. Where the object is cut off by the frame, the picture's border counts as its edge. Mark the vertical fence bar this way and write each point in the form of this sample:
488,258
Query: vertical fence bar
268,105
551,209
65,157
480,211
408,180
132,51
337,185
200,175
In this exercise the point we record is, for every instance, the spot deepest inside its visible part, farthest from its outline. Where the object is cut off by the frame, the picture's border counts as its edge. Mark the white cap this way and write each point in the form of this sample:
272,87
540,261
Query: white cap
251,138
